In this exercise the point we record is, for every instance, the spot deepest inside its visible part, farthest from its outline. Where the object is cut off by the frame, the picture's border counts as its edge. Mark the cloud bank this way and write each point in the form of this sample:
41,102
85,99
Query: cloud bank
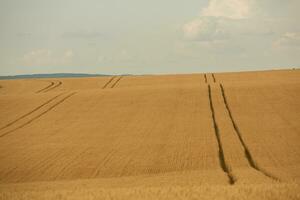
227,19
232,9
46,57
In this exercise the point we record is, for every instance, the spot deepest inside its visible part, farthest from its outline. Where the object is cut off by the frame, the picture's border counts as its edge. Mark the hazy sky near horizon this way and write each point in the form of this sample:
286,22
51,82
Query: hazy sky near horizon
140,37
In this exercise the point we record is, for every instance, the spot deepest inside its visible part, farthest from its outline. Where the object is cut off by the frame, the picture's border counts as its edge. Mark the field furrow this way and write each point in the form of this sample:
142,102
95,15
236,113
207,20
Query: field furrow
213,76
23,86
47,87
205,78
214,135
116,82
170,145
31,116
222,160
32,111
248,153
237,163
273,143
108,82
59,83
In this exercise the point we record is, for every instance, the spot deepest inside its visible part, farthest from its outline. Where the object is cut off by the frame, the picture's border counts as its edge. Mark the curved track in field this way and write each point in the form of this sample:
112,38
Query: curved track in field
32,111
39,115
222,159
248,154
45,88
54,86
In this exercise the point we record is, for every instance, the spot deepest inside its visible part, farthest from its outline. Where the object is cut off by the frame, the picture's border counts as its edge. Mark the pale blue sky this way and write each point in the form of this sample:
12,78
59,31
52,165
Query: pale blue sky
141,37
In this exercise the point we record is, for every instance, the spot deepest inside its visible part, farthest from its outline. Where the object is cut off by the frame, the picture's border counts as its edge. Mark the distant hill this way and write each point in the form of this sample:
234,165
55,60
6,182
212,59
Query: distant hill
56,75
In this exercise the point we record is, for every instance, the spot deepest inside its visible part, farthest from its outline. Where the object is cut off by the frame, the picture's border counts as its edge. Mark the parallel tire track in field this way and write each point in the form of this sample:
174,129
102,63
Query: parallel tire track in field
48,86
213,76
248,154
39,115
222,160
108,82
103,162
205,78
111,82
32,111
67,164
55,86
37,166
115,83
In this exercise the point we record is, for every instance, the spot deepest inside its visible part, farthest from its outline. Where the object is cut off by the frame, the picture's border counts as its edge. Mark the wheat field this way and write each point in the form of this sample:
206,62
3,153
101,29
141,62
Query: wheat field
193,136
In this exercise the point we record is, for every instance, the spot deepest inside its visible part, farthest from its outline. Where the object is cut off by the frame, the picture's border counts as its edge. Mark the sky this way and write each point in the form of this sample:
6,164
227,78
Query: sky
148,37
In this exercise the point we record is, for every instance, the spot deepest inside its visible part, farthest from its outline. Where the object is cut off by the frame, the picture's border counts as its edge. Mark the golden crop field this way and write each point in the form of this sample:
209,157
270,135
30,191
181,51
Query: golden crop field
197,136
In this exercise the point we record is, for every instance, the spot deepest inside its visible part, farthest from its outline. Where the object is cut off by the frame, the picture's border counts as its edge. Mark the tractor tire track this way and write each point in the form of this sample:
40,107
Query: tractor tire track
248,154
55,86
38,116
213,76
108,157
39,165
113,85
48,86
223,164
205,78
32,111
65,167
108,82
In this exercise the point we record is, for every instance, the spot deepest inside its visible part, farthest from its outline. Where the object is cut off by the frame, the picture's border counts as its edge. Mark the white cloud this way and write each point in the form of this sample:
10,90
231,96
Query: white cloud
288,39
216,21
37,57
226,19
232,9
204,29
45,57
